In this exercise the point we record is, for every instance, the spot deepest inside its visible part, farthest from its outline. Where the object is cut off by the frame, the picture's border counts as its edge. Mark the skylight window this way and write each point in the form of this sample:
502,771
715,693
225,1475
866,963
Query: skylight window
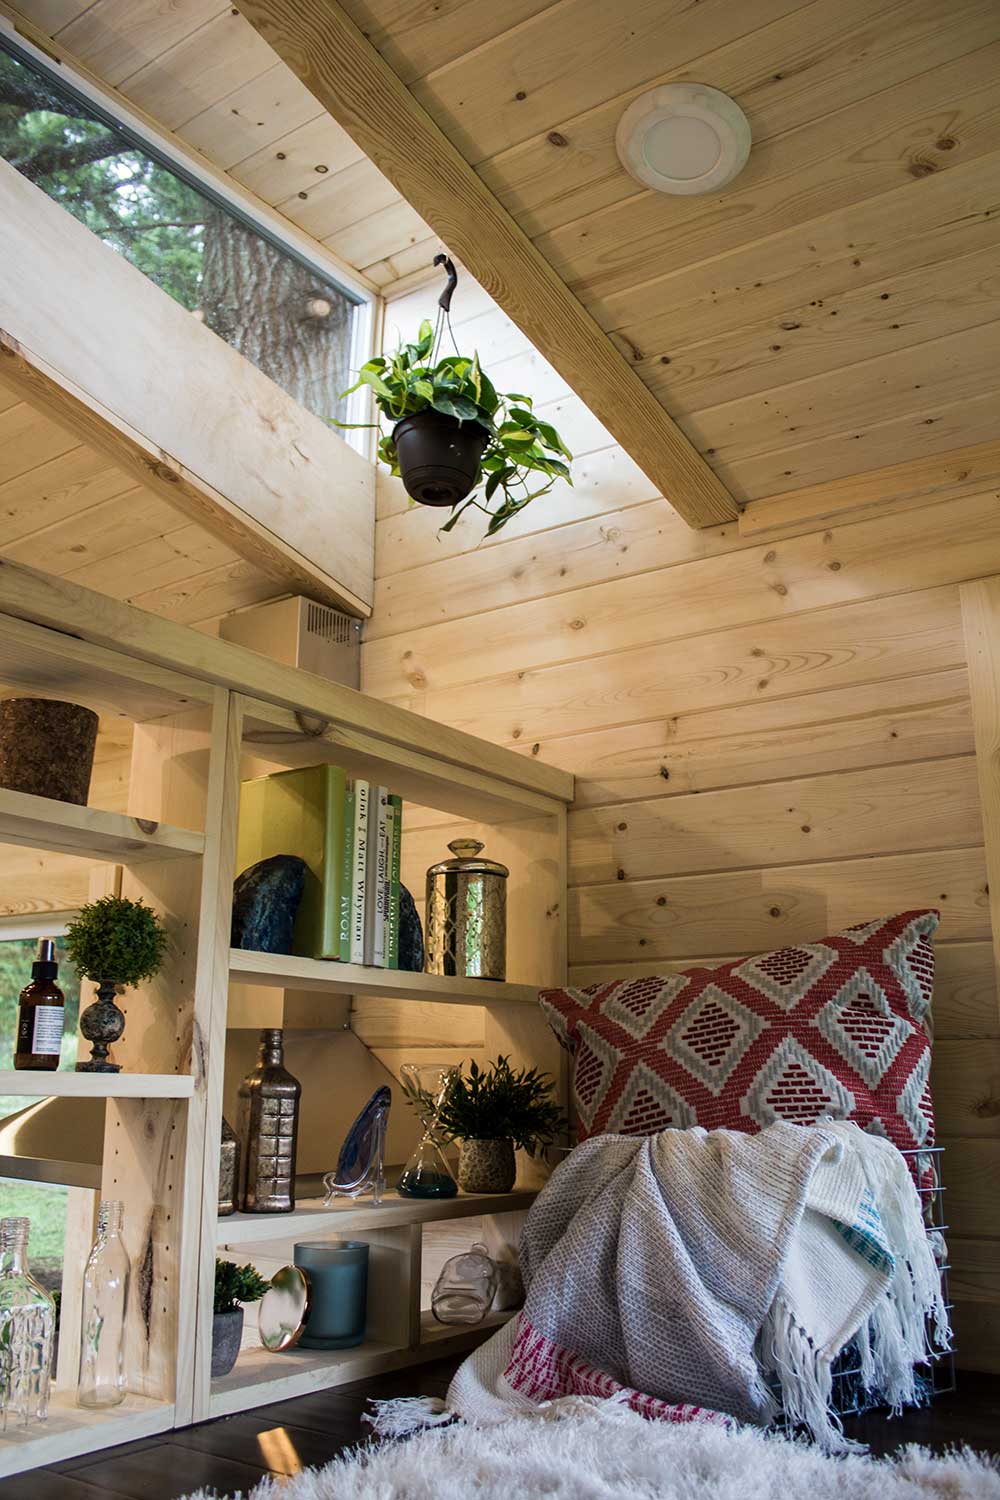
295,323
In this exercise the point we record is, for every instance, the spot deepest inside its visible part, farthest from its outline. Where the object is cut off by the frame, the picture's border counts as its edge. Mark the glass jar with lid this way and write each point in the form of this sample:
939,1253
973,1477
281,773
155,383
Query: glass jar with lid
467,914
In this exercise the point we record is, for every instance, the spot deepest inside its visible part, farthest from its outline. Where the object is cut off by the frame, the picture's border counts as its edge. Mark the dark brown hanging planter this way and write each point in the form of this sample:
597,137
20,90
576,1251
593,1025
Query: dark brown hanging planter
438,456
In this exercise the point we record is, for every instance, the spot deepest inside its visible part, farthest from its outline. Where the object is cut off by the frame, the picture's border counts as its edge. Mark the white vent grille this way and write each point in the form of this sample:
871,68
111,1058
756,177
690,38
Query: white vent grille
330,625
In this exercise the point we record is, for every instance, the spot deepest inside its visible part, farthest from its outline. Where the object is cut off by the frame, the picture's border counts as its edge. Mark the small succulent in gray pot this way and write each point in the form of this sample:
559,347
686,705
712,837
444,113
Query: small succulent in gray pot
234,1286
494,1111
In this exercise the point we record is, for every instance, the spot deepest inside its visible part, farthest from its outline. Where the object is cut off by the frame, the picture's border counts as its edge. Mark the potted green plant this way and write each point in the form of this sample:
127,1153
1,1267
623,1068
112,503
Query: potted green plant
491,1112
452,432
114,941
234,1287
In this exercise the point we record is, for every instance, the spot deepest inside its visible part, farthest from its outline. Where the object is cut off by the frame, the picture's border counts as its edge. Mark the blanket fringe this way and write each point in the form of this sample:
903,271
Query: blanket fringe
806,1380
407,1414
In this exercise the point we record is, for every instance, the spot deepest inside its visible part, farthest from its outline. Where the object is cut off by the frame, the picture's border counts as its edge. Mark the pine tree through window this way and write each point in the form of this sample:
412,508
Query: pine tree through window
280,312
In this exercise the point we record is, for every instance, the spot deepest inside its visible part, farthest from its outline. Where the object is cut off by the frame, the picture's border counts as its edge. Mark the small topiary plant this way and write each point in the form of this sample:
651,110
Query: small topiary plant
118,941
236,1285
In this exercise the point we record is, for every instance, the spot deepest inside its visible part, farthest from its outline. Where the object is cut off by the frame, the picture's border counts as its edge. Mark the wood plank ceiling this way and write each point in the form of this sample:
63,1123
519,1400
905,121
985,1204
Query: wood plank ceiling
834,313
67,508
199,69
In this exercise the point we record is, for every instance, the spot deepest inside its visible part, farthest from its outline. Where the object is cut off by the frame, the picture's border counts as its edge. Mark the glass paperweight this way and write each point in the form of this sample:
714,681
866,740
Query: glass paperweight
102,1326
464,1291
361,1164
27,1331
426,1174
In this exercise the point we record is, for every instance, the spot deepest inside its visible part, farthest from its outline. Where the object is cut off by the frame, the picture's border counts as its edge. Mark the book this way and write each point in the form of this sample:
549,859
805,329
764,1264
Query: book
300,812
359,870
378,883
346,874
395,853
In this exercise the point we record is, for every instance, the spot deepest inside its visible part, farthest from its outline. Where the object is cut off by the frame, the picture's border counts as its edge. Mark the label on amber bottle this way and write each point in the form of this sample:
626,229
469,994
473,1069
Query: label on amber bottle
48,1029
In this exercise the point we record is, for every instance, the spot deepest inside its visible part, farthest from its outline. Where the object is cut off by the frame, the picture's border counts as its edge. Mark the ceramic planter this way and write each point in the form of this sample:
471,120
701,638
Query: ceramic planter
227,1333
487,1166
438,456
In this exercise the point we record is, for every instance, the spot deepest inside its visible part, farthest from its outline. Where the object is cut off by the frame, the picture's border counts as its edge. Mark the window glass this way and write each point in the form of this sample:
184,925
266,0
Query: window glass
41,1202
280,313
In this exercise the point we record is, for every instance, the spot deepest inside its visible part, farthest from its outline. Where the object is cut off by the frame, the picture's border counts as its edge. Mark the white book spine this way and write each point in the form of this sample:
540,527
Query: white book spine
359,881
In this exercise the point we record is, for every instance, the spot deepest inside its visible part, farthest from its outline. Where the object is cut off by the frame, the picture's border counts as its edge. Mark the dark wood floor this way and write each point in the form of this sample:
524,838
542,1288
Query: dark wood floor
235,1452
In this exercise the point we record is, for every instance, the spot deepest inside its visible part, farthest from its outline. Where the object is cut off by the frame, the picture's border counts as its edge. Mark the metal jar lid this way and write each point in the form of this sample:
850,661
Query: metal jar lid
466,861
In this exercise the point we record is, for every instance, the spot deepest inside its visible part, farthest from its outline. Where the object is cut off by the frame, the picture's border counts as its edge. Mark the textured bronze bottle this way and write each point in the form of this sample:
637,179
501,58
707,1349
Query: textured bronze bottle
466,914
267,1131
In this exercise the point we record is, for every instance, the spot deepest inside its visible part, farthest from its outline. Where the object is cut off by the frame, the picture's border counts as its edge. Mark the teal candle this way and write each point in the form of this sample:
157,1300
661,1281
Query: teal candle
338,1293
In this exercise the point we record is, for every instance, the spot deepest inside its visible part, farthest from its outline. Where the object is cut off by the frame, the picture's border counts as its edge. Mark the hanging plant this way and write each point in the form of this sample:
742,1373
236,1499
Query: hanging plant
452,433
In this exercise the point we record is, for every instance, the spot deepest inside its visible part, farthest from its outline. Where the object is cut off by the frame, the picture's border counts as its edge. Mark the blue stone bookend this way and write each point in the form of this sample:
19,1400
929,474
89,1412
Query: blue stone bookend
411,934
266,902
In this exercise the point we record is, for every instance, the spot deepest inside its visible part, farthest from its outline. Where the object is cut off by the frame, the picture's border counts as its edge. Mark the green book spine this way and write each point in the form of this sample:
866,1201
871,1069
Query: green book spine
396,803
359,869
336,796
346,875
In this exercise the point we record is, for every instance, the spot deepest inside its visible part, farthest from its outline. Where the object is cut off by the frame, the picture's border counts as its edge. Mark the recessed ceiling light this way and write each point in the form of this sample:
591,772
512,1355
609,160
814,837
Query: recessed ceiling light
684,138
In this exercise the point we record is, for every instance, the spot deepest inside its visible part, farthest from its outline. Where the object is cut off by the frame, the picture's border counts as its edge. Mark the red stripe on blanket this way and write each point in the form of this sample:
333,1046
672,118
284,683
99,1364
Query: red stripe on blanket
541,1370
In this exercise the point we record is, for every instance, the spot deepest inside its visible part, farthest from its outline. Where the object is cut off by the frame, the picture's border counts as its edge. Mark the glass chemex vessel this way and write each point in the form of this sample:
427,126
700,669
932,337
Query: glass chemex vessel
426,1174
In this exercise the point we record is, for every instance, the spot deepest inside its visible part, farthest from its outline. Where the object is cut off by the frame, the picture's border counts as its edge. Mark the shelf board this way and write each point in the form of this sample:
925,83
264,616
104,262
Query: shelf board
70,1431
261,1377
90,832
348,1215
96,1085
433,1332
286,971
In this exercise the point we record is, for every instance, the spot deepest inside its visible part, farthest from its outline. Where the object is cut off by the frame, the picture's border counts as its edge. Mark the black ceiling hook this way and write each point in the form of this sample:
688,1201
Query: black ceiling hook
444,301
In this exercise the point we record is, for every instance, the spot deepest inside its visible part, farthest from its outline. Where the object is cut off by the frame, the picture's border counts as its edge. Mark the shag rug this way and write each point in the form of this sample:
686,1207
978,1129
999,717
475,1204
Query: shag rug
605,1451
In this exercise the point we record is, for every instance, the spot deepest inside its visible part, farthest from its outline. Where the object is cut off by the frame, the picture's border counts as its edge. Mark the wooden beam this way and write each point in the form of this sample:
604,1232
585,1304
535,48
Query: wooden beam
68,609
109,355
349,77
26,373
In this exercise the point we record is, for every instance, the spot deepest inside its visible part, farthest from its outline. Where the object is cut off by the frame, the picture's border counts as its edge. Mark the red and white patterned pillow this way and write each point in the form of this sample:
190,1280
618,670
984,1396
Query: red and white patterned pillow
835,1028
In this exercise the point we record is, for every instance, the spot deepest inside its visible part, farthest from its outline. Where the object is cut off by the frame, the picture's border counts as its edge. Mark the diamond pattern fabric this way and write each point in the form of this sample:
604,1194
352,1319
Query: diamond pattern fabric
830,1029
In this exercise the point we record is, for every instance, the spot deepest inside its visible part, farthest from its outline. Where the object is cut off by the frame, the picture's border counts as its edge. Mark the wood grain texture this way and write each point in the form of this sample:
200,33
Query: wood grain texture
944,476
786,72
885,723
938,544
817,651
324,47
981,620
931,805
772,907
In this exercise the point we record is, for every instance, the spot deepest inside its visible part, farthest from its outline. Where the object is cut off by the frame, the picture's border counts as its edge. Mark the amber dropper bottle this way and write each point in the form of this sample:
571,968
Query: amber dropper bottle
40,1014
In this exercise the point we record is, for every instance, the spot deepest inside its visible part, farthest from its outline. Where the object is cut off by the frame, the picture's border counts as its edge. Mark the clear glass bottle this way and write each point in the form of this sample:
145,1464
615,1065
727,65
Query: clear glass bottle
27,1331
105,1300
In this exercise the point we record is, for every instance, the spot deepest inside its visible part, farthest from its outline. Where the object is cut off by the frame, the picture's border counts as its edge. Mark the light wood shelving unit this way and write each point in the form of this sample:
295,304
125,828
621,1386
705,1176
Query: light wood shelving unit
288,972
206,714
348,1216
98,1085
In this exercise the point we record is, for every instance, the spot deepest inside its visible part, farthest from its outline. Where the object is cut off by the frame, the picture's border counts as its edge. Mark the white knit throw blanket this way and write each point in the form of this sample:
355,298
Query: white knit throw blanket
676,1272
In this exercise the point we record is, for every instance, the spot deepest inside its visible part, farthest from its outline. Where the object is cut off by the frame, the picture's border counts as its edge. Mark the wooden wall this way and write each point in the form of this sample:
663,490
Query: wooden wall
773,737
